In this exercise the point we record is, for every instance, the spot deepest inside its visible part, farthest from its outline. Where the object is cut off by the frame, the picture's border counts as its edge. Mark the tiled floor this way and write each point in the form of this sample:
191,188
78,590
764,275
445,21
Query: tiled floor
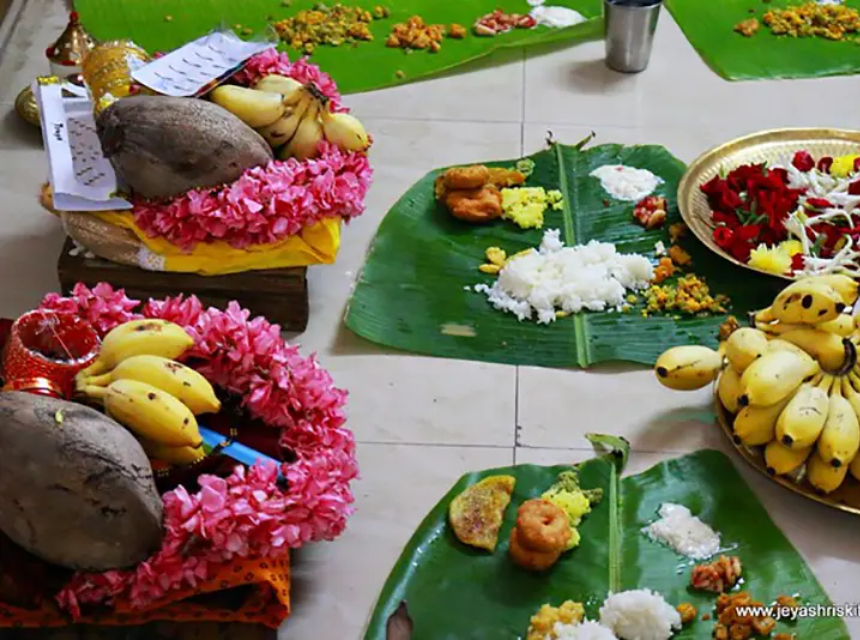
422,422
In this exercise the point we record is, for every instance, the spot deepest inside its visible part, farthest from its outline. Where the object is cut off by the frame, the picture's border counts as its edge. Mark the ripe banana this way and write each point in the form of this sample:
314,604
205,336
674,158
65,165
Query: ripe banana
744,346
181,456
828,348
254,108
780,460
139,337
840,439
149,412
279,133
823,476
781,345
842,326
754,426
729,388
184,383
807,301
847,287
688,367
306,140
287,87
774,376
344,131
802,421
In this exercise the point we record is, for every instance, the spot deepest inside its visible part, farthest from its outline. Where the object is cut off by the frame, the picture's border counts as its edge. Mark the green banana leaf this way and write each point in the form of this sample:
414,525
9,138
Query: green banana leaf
162,25
710,28
455,592
411,293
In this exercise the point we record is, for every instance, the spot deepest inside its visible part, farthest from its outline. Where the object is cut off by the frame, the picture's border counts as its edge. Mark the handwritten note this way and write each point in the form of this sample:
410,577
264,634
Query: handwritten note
196,67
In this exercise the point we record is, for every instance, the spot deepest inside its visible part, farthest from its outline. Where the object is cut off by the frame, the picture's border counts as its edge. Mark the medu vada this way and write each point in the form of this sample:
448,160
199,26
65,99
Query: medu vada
528,559
543,526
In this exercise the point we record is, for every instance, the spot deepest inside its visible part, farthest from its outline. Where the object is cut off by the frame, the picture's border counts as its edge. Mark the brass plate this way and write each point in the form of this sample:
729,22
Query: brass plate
778,145
26,107
846,498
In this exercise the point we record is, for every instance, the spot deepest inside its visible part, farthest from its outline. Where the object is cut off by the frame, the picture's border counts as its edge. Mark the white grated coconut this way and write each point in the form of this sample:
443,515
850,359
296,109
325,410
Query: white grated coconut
626,183
683,532
586,630
556,17
640,614
593,276
660,249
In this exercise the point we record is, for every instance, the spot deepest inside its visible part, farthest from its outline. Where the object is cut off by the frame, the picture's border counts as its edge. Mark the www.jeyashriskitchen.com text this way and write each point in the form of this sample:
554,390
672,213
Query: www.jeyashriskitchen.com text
806,611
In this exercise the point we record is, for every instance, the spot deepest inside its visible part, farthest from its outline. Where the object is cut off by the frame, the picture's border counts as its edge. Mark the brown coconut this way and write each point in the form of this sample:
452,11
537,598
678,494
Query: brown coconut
76,488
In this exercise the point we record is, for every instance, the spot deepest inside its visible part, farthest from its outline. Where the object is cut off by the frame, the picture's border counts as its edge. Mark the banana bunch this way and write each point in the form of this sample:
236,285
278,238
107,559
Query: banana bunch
791,380
293,117
141,386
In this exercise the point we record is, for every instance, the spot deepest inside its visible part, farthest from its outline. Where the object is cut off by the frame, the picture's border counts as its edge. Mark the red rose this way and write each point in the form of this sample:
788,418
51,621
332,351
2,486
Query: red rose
803,161
748,233
740,249
824,164
723,237
729,220
854,188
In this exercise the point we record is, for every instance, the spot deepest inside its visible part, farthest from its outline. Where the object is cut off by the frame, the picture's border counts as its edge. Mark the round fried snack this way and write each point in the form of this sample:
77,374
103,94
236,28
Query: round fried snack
473,177
543,526
528,559
475,205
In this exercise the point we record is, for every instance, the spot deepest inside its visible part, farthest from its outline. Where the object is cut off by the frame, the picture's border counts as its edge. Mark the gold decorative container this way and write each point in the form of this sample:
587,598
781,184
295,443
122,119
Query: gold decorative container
107,71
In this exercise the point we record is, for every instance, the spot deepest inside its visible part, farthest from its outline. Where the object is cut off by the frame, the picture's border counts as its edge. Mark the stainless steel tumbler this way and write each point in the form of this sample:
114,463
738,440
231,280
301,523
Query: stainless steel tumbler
629,27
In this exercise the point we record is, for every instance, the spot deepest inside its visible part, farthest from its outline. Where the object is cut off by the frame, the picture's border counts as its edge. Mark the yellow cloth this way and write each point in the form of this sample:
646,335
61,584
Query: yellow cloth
316,244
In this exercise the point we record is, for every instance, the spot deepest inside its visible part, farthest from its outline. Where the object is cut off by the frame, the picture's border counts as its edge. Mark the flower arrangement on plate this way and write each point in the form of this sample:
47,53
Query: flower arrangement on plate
795,218
224,525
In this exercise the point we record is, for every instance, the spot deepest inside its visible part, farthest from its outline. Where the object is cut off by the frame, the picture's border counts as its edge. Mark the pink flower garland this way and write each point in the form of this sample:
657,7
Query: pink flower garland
270,203
245,514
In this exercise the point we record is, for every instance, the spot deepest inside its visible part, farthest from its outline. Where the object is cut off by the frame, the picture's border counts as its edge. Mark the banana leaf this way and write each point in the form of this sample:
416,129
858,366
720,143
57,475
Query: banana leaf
709,26
411,293
455,592
162,25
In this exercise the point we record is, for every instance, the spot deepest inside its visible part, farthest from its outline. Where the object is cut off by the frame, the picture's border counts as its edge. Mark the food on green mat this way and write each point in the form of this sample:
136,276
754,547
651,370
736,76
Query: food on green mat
457,31
718,576
475,205
689,295
525,206
680,257
813,19
735,619
332,26
476,514
417,34
574,500
543,623
139,136
680,530
593,276
542,526
556,17
687,612
498,22
472,193
650,212
641,614
748,28
80,495
627,184
664,270
255,107
527,558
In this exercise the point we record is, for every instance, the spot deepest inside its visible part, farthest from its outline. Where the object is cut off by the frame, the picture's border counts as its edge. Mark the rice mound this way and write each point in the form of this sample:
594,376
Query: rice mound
586,630
639,614
593,276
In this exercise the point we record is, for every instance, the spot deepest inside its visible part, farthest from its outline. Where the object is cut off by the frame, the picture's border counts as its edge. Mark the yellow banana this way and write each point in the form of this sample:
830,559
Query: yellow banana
807,301
729,388
282,131
184,383
781,345
762,316
287,87
139,337
774,376
839,441
802,421
842,325
181,456
254,108
344,131
744,346
780,460
306,140
846,286
149,412
828,348
754,426
823,476
688,367
854,467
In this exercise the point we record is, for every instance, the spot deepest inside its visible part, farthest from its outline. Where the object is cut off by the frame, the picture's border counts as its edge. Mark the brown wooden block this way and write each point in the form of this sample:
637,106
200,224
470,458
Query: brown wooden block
280,295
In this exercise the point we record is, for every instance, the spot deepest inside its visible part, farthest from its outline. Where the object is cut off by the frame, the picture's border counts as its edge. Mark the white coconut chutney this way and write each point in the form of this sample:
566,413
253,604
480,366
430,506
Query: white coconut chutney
626,183
685,533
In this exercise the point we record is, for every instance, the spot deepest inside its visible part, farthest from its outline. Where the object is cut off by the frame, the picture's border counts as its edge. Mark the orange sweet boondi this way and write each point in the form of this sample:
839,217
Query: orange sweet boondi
267,603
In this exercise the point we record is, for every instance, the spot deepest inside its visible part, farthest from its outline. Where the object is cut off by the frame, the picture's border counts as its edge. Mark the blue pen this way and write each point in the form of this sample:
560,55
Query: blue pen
236,450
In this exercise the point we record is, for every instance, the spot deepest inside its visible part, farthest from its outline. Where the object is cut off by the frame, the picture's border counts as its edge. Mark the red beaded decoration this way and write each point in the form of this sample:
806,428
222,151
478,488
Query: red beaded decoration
45,351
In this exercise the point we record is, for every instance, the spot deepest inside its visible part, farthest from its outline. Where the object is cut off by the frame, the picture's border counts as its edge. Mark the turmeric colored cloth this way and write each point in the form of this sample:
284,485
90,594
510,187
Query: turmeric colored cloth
248,591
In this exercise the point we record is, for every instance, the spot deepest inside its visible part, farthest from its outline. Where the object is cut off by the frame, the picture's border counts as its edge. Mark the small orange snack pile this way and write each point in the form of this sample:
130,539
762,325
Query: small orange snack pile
540,535
651,212
416,34
473,193
748,28
476,514
718,576
734,621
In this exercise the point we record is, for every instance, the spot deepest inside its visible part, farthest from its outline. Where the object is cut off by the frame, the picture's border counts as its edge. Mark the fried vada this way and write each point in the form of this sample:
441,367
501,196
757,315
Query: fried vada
527,558
543,526
475,205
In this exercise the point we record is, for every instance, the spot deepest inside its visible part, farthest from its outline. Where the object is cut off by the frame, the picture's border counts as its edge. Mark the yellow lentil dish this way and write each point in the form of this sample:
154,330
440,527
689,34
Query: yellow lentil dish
833,22
323,25
690,295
